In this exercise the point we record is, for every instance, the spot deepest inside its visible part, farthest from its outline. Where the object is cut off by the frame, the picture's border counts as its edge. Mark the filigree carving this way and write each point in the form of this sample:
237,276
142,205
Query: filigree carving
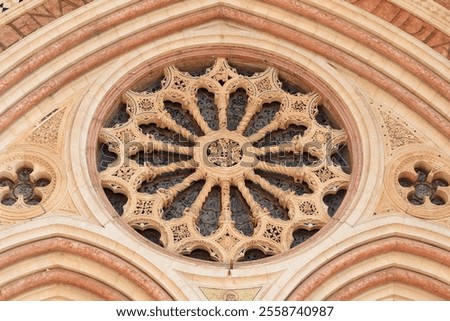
324,174
180,232
124,172
273,232
226,165
308,208
224,152
398,132
144,207
227,241
47,131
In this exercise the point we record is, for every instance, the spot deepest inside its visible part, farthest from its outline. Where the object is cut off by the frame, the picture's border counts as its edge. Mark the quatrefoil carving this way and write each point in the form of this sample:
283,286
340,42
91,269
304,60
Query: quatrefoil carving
23,187
425,186
418,183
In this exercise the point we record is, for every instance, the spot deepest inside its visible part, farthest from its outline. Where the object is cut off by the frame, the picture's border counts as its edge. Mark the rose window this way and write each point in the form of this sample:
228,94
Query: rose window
224,165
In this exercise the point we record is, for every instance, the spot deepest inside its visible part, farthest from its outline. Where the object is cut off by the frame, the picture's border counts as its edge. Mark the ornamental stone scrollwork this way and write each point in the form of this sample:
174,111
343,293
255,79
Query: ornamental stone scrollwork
397,132
28,184
223,166
419,183
47,131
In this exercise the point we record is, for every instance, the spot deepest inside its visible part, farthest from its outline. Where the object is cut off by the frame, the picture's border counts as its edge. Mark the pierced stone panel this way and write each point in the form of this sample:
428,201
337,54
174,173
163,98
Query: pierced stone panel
223,166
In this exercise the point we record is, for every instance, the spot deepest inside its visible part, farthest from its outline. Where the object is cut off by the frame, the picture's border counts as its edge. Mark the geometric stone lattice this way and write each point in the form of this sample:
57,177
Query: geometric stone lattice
223,166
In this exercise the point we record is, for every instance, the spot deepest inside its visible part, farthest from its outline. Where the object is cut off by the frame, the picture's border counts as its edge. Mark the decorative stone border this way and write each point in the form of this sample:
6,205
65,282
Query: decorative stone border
368,251
8,4
84,251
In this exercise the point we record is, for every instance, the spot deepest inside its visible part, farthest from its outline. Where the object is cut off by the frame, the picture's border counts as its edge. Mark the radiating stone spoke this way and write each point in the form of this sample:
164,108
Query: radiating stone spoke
169,194
172,125
254,106
173,167
255,208
281,195
193,109
195,208
272,126
171,148
222,104
297,173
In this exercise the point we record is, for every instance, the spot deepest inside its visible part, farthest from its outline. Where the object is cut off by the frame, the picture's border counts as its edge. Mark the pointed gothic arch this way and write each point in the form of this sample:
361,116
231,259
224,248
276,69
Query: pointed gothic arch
386,84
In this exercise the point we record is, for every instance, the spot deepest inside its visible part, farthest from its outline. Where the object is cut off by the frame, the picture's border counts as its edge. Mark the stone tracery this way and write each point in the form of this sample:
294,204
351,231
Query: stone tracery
28,184
418,183
24,189
224,163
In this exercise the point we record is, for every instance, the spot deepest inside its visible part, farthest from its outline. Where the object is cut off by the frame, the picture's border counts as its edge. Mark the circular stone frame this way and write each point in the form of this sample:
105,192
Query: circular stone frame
403,165
43,167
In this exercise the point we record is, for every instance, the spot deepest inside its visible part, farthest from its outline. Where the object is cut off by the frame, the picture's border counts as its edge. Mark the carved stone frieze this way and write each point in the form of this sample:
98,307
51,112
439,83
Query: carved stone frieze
222,166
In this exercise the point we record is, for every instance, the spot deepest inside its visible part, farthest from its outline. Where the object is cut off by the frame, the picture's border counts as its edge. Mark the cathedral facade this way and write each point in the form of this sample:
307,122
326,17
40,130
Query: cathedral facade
225,150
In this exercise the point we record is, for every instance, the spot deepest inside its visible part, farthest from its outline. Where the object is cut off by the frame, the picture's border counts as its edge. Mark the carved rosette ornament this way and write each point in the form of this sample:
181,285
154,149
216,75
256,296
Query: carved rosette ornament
27,185
418,183
222,166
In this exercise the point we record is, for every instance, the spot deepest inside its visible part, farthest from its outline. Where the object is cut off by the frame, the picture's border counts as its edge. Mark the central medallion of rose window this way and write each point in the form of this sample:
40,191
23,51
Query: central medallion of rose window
224,152
223,166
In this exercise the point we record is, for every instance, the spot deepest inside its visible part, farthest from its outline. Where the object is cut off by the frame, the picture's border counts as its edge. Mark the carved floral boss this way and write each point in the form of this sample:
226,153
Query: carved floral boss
223,164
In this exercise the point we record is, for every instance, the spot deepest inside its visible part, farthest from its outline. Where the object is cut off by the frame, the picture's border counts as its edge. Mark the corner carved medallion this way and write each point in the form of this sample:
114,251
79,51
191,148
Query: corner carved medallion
29,185
418,182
